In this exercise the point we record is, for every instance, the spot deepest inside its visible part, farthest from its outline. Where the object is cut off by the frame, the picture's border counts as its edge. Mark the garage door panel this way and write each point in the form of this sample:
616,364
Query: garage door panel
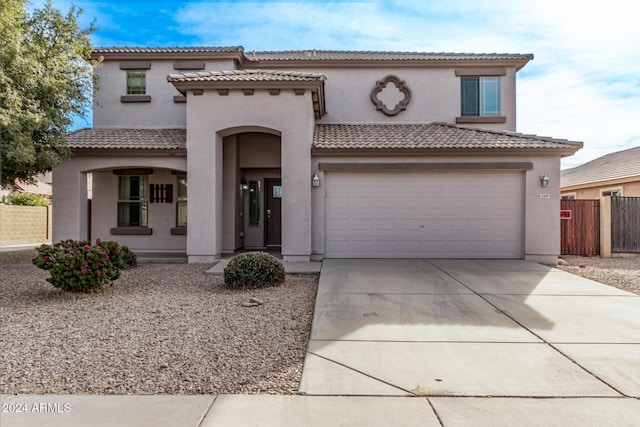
425,214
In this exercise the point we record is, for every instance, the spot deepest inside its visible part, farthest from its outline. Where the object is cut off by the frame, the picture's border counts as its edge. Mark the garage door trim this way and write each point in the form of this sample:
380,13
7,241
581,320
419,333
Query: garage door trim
353,166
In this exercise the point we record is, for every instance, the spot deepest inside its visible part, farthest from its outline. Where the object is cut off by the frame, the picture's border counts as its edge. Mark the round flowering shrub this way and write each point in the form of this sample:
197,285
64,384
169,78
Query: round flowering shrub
253,270
77,265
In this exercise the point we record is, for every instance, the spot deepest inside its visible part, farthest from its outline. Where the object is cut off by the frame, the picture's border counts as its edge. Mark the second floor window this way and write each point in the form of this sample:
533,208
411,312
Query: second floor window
480,96
132,201
136,82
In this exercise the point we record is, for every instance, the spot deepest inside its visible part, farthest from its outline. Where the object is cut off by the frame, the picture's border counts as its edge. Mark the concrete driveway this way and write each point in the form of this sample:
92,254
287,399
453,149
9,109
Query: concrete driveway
476,337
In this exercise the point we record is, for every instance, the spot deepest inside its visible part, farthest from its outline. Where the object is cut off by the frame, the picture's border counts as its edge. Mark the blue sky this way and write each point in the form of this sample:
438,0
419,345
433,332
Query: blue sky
583,85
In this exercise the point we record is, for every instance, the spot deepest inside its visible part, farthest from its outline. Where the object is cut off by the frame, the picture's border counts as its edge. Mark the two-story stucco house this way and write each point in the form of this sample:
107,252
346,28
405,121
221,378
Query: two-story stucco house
324,154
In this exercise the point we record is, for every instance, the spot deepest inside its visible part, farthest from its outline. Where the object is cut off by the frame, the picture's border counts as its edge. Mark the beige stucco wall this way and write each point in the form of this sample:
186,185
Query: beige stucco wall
435,96
70,209
542,204
210,118
161,216
161,112
629,189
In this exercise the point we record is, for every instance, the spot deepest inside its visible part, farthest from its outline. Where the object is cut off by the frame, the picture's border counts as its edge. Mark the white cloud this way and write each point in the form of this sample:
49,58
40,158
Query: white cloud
582,85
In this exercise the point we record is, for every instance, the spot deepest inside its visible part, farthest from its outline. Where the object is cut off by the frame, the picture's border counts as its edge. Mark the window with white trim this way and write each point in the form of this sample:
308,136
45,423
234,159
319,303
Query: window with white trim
570,196
480,96
611,192
133,206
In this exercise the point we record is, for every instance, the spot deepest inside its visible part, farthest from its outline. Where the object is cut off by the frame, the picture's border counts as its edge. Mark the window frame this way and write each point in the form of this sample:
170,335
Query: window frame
136,89
141,199
475,89
181,200
610,190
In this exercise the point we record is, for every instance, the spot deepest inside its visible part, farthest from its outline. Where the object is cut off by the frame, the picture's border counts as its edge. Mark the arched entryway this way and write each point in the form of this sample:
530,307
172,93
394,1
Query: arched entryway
252,191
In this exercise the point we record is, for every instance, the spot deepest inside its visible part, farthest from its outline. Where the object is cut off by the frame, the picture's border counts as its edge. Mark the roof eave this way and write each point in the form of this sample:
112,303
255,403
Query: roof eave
316,87
600,183
231,55
518,63
439,151
135,152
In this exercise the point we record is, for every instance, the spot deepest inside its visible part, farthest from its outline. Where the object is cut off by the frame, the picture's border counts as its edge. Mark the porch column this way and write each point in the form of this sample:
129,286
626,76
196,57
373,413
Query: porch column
296,196
69,212
204,212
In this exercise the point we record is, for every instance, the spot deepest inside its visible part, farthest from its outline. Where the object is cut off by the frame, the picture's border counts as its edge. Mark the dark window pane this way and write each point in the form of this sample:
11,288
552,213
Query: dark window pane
470,99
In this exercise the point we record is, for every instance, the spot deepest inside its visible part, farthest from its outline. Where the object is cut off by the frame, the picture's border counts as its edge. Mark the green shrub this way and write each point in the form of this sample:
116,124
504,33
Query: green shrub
76,265
27,199
120,256
79,266
253,270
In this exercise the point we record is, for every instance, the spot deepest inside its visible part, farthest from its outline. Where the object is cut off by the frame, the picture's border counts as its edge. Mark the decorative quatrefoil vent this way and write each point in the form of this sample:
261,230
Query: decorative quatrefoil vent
390,95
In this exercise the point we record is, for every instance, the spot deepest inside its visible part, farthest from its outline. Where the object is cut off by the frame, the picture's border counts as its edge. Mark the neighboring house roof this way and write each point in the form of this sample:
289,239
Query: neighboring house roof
619,165
128,139
428,136
247,76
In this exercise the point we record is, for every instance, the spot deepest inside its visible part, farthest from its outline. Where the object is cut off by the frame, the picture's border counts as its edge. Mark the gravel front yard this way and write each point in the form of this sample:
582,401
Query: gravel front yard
623,273
160,329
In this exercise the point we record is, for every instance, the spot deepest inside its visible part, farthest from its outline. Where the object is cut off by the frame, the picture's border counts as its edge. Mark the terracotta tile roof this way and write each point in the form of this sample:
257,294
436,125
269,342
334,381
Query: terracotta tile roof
622,164
247,76
427,136
312,55
128,139
342,55
126,49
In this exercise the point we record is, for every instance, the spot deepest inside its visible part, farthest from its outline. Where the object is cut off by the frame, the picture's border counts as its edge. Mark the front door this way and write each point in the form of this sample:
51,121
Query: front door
273,212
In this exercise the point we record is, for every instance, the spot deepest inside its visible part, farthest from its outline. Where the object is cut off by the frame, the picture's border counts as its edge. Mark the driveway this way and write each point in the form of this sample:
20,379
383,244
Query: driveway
458,331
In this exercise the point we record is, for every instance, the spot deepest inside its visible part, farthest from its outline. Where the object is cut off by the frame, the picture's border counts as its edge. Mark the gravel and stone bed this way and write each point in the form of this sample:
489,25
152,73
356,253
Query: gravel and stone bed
620,272
159,329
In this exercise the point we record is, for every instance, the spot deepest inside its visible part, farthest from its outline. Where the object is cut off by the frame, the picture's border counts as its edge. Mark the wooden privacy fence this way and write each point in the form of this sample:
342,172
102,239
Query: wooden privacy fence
580,227
625,224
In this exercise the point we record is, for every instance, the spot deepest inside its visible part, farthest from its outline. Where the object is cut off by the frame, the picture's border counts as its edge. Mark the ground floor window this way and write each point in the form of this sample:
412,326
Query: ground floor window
132,201
181,204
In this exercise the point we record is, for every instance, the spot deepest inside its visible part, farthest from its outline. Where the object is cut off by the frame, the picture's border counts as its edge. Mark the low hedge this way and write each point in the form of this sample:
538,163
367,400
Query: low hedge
253,270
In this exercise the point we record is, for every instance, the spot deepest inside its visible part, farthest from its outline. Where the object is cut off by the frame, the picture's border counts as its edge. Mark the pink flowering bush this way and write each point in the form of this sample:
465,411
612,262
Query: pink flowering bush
78,265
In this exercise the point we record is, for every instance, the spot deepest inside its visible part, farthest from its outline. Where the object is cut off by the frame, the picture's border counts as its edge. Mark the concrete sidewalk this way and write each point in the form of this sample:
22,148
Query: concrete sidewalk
422,342
312,411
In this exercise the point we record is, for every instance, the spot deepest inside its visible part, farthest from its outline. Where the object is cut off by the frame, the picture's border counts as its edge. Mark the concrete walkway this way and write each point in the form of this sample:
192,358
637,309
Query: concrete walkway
424,343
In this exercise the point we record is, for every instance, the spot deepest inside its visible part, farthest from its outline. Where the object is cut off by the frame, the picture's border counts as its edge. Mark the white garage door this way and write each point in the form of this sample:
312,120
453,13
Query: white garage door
426,214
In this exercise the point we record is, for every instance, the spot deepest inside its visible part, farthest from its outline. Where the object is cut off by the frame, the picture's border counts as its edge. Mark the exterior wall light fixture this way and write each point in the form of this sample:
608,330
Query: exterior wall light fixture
315,181
544,180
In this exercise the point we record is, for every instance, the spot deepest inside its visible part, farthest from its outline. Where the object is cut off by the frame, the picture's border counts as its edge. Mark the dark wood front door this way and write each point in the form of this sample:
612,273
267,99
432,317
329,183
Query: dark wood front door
273,212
